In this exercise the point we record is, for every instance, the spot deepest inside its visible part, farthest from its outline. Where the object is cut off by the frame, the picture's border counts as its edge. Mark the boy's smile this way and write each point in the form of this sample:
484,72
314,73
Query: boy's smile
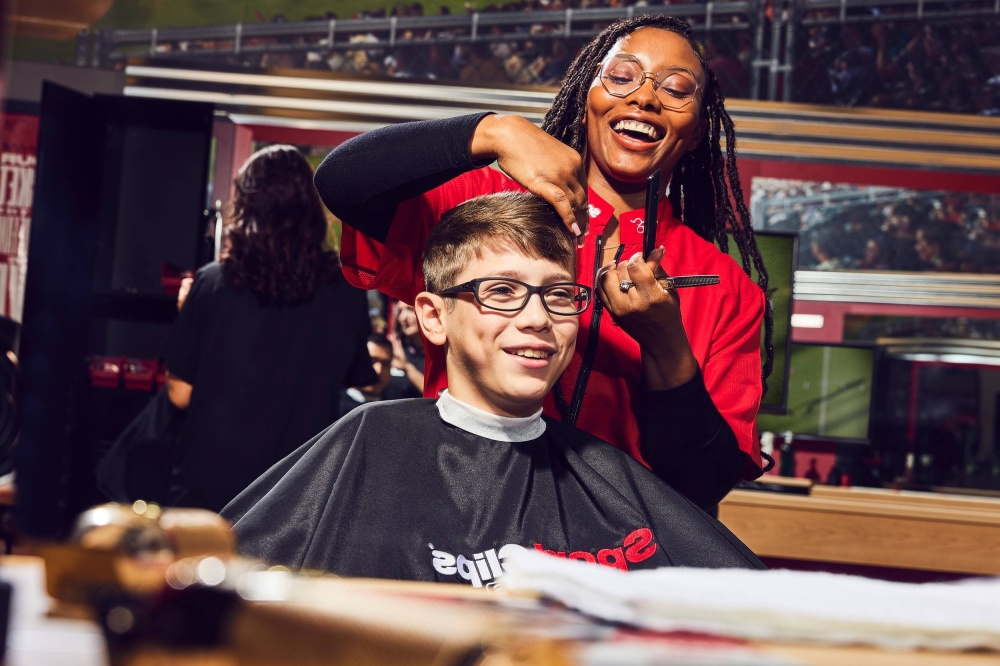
502,362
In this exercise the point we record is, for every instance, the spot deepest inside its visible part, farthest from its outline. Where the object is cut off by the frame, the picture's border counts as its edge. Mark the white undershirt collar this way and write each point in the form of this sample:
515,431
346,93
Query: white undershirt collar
491,426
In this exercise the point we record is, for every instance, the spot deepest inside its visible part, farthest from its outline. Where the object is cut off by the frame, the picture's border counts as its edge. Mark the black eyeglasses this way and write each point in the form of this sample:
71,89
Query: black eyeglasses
507,295
622,74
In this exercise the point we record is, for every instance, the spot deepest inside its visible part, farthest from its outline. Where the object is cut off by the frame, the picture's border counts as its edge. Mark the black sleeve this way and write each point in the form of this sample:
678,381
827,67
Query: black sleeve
363,180
185,342
688,444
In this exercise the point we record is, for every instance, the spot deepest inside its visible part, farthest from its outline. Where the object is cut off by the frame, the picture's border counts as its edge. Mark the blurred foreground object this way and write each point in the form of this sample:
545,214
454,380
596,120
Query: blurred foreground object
9,429
10,330
230,612
776,605
130,547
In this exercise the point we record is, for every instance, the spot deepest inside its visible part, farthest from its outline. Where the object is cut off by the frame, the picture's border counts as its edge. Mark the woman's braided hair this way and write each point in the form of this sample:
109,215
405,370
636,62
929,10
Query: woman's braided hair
699,193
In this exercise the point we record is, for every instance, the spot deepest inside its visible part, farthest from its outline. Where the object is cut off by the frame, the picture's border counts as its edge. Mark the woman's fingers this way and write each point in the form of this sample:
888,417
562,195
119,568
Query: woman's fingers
641,273
541,164
646,275
609,280
581,206
569,205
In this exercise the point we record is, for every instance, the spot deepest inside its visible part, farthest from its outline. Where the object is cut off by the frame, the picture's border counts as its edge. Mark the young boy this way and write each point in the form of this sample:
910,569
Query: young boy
447,489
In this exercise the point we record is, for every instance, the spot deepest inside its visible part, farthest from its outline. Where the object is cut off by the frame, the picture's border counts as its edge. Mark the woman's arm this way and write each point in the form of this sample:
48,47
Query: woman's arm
183,292
363,180
687,443
179,391
184,346
686,439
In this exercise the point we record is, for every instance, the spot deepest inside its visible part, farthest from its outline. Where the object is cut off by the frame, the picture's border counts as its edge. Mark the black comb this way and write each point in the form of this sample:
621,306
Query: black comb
652,207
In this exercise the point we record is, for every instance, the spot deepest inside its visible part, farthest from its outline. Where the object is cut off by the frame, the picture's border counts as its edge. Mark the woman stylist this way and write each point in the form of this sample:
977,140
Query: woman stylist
638,98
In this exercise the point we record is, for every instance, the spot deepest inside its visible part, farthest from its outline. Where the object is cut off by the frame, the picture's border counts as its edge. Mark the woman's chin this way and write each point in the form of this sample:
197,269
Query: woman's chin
632,171
629,169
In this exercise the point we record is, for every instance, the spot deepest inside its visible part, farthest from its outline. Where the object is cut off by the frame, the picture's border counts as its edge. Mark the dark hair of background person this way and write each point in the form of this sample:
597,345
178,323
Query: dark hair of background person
517,220
380,340
275,235
705,184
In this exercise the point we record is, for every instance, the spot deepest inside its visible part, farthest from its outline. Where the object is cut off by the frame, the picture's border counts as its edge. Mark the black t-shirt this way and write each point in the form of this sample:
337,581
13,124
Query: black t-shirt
265,379
401,387
415,355
443,504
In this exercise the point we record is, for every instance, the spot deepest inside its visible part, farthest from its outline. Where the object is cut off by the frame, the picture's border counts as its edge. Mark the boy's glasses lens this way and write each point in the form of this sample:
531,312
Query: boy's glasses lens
508,295
675,87
566,298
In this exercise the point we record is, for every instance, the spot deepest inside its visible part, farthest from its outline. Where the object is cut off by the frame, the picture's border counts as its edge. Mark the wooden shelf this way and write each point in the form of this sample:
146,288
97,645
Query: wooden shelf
921,531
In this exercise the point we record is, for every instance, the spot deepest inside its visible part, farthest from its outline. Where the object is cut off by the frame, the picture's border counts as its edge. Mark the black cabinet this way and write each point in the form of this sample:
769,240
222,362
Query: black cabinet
120,188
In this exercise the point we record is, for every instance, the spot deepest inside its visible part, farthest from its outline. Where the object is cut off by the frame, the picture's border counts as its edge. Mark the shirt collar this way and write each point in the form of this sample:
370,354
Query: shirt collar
601,212
491,426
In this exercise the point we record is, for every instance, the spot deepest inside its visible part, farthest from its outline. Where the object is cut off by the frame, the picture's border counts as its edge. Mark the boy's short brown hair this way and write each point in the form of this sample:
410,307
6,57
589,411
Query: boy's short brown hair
515,221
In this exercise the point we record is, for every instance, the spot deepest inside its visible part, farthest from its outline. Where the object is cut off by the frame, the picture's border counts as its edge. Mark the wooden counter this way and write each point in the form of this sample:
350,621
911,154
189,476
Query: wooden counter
37,639
868,527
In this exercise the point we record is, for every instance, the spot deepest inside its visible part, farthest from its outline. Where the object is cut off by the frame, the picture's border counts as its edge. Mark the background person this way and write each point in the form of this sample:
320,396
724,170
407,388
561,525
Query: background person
639,98
380,351
408,350
266,338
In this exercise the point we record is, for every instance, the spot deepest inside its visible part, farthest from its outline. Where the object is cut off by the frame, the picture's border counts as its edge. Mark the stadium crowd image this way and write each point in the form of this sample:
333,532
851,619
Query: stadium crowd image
475,332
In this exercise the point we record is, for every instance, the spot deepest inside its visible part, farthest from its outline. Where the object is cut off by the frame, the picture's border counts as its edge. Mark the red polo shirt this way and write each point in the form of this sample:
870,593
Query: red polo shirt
722,321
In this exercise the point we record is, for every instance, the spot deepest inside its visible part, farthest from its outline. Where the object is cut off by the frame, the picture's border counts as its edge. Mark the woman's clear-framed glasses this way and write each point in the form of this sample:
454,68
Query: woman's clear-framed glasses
508,295
675,87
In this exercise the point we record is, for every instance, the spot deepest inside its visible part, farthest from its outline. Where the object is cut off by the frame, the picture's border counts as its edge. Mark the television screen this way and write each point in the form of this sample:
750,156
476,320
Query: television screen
778,249
829,393
865,227
938,403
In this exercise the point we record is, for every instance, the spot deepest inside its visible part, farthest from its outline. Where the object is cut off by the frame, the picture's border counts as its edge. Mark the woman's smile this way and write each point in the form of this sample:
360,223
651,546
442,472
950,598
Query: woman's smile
637,134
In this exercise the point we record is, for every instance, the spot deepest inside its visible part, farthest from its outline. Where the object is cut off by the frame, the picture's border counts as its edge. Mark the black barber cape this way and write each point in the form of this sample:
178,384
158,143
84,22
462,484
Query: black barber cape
393,491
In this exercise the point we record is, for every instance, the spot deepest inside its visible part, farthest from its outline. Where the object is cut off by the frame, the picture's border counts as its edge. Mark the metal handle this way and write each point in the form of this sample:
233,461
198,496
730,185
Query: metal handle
681,281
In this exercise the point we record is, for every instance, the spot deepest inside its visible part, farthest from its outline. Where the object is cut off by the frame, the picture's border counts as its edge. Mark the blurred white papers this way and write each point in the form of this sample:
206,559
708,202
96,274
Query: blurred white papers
775,605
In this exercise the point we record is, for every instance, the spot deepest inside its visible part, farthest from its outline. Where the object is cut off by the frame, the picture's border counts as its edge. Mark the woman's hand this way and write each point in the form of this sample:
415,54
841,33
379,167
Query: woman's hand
179,391
537,162
651,315
182,294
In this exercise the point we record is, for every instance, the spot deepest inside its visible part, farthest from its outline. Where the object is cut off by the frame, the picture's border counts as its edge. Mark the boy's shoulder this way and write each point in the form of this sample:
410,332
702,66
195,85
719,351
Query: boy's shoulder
391,412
